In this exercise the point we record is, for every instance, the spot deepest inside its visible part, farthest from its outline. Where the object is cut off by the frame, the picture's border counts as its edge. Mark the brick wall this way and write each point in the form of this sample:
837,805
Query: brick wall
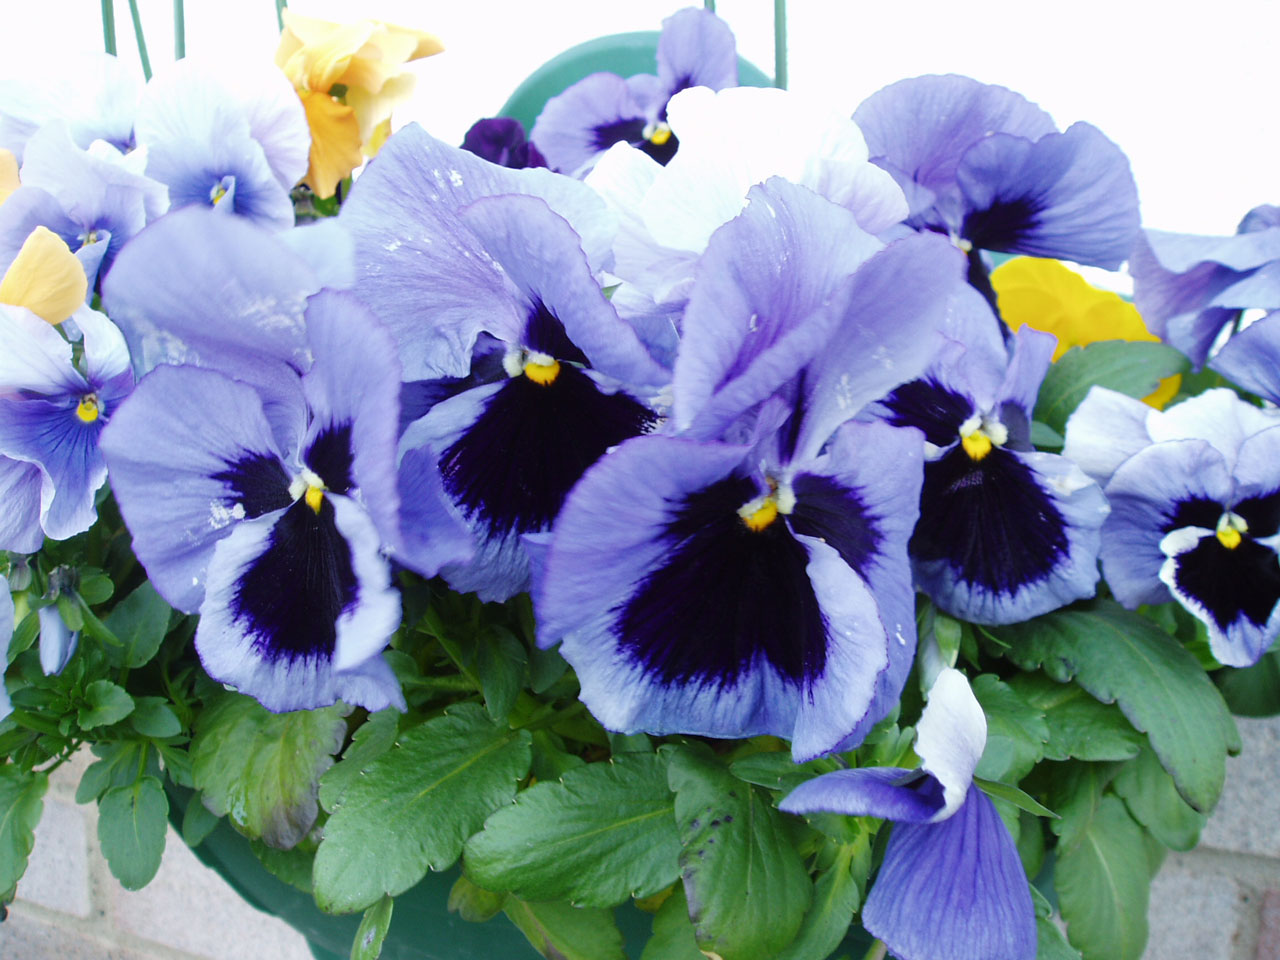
1220,901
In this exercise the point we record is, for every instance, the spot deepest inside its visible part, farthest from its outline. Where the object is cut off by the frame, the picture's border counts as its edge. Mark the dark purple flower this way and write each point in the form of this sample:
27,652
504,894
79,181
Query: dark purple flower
501,140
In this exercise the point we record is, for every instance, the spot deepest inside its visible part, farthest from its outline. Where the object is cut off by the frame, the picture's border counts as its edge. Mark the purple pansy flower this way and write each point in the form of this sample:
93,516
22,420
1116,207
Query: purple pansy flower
951,886
51,416
1190,288
501,140
696,49
1006,533
1195,510
984,165
749,575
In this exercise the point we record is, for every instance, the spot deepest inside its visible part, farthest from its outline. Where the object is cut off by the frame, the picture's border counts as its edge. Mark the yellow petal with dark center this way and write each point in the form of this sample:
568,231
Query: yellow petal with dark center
335,142
45,277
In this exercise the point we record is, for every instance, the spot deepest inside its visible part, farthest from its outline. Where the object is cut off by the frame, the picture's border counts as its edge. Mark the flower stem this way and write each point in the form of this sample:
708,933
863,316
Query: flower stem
780,44
280,5
142,41
877,951
109,26
179,30
710,5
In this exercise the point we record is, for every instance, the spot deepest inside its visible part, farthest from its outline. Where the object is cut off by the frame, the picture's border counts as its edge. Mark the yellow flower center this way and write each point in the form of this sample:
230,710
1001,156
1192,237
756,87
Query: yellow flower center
979,434
977,444
88,410
1231,530
660,134
763,515
314,497
543,374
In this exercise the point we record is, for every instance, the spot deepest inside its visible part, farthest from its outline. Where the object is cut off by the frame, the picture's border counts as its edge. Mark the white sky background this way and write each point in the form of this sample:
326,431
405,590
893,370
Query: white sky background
1190,91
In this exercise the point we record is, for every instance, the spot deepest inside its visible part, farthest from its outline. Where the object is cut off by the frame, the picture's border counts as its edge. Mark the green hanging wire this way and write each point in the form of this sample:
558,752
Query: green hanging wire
710,5
142,41
179,30
280,5
780,44
109,26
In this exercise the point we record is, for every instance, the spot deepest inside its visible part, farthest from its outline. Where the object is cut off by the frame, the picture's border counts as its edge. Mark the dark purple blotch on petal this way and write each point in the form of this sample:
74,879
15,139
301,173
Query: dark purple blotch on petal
725,597
330,457
1004,224
990,520
1231,583
1192,512
289,599
501,140
829,511
259,483
545,333
929,407
1262,514
513,468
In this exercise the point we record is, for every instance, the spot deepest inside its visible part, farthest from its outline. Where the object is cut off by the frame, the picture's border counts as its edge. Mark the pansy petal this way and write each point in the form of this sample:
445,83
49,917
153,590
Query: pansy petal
1216,416
696,49
433,533
1007,537
20,530
106,356
1032,353
51,435
890,330
228,173
327,249
760,307
924,125
1106,429
35,358
293,593
576,126
1067,195
1166,486
953,890
353,394
950,737
191,452
542,256
45,277
890,793
1251,358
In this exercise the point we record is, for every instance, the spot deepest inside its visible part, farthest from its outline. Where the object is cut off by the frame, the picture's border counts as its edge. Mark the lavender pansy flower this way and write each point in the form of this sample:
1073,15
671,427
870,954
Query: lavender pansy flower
501,140
749,575
1006,533
1195,510
982,164
96,95
277,544
696,48
556,380
51,416
238,153
1190,288
951,886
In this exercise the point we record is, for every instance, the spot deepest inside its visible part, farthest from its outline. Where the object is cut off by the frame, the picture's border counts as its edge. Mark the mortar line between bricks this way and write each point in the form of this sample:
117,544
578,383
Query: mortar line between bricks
108,936
1260,872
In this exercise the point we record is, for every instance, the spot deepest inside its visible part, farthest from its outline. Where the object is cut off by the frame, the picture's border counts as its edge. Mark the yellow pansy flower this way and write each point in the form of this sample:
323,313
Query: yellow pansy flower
8,174
364,61
1046,295
45,277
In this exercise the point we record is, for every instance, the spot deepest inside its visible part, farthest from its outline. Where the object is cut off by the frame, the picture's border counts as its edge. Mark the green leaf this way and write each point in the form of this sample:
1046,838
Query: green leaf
293,866
262,769
415,805
131,829
1252,691
140,621
198,821
21,804
372,931
95,588
500,662
672,937
1016,731
551,760
835,899
748,888
1079,725
1103,886
1051,944
1045,438
474,903
24,635
105,703
605,833
1122,657
373,737
117,766
776,770
1132,368
1021,800
560,931
545,668
1153,800
153,717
